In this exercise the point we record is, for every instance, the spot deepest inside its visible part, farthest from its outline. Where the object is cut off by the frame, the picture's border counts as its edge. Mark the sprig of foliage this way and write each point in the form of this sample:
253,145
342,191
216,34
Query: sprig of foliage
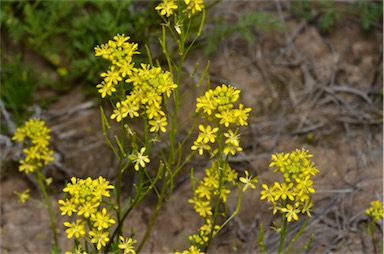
17,88
368,12
244,26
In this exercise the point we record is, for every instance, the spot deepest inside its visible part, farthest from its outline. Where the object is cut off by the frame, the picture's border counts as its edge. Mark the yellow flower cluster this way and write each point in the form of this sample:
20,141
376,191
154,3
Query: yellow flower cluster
218,106
207,188
151,85
293,196
120,53
145,88
190,7
376,210
37,153
84,199
85,196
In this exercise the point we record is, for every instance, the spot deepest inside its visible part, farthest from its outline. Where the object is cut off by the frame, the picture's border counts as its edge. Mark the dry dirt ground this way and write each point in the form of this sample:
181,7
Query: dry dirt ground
320,91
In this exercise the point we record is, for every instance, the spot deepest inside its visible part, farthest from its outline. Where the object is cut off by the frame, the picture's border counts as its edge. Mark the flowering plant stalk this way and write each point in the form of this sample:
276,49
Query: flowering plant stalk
37,154
219,137
376,213
293,197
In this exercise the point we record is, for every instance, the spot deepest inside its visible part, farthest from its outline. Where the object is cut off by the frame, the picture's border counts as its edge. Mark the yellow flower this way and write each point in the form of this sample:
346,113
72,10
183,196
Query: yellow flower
26,167
207,134
120,39
166,85
166,7
194,6
99,237
206,103
153,99
32,153
306,207
101,187
223,194
111,76
106,88
201,207
211,180
23,196
200,146
283,191
103,51
248,181
20,134
158,123
203,192
75,228
231,149
154,112
67,207
127,245
279,160
102,220
232,138
291,213
139,159
230,175
126,67
87,208
241,114
120,112
267,193
304,186
227,117
41,142
131,106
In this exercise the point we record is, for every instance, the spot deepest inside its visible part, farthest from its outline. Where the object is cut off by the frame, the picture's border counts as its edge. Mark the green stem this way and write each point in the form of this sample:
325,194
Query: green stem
121,170
136,200
237,209
104,125
120,224
222,165
156,213
373,235
40,180
197,35
283,234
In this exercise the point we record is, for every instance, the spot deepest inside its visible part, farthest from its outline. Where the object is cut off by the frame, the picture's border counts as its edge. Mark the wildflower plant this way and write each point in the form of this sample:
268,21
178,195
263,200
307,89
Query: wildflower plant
291,198
375,213
36,155
149,95
148,92
218,136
